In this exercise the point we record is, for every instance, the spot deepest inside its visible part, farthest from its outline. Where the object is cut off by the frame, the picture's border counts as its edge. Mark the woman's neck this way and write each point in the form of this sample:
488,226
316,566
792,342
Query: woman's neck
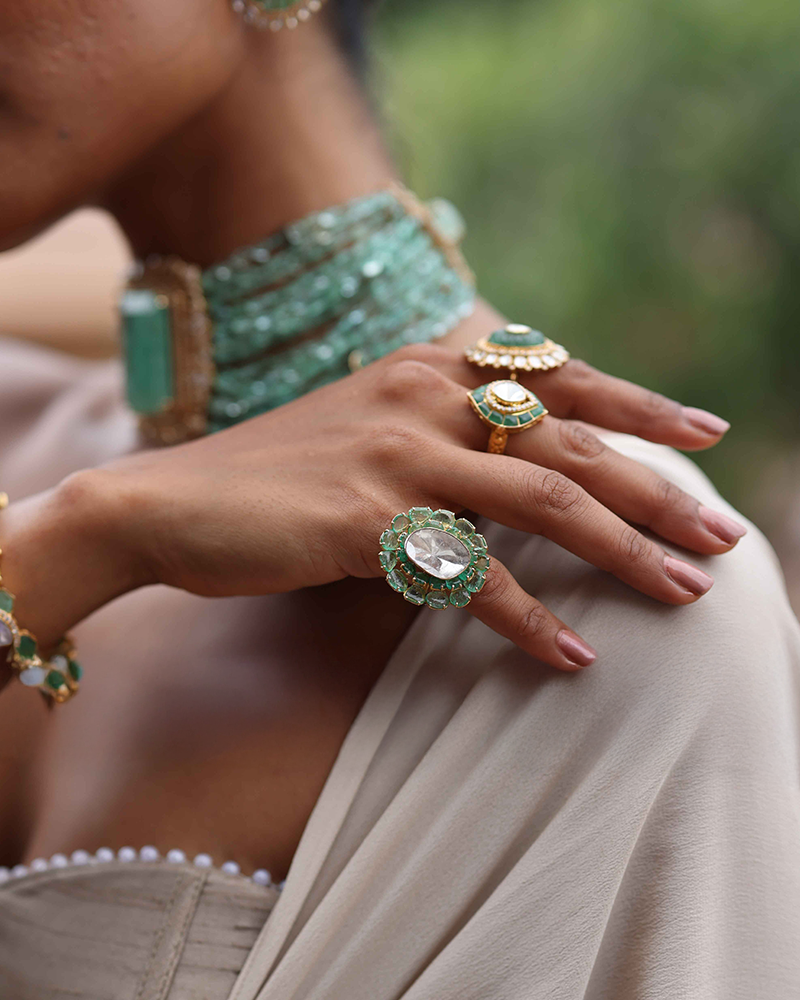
290,134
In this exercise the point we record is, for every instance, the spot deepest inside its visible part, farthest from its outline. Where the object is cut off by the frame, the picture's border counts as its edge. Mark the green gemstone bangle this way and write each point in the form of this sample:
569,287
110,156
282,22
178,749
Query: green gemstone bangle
434,558
309,304
57,677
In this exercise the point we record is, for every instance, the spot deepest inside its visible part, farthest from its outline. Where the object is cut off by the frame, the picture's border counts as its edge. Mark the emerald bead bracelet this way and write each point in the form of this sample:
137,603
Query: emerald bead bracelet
57,677
205,349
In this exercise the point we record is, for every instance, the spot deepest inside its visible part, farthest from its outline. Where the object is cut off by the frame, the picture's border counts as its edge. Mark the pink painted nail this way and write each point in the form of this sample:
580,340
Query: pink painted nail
688,577
721,525
706,422
576,650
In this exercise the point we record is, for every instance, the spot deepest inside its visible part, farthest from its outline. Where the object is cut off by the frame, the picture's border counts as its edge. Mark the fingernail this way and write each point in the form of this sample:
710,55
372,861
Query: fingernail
721,525
706,422
576,650
687,576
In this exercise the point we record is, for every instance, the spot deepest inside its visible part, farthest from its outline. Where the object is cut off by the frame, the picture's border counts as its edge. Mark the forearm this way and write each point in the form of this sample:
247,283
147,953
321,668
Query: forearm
63,557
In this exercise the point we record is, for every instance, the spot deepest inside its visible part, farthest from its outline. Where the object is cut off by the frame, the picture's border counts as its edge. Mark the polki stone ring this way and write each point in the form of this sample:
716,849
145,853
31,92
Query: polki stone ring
505,407
434,558
518,348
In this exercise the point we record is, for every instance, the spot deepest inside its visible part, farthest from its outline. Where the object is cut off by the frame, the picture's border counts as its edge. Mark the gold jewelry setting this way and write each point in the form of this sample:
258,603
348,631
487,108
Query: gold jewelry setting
58,677
434,558
518,348
506,407
167,340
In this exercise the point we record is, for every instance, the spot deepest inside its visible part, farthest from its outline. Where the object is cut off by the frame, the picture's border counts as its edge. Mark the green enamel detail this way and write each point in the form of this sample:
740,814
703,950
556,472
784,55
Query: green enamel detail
496,418
438,600
27,647
478,394
6,601
510,421
420,513
54,680
484,409
415,594
147,344
397,581
459,597
525,418
400,522
388,540
502,338
388,560
75,670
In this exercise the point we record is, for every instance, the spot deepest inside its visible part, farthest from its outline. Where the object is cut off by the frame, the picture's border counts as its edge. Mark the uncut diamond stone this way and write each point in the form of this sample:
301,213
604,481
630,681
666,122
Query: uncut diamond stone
33,676
509,392
437,552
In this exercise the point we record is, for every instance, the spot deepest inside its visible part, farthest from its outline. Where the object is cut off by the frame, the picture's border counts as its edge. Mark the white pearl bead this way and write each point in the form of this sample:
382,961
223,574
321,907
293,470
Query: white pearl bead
203,861
59,861
127,854
281,885
19,871
149,854
105,855
262,877
5,875
231,868
80,857
176,857
39,865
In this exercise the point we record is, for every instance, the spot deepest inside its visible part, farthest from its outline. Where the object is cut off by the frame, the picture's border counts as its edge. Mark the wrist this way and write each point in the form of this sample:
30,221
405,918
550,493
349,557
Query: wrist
64,556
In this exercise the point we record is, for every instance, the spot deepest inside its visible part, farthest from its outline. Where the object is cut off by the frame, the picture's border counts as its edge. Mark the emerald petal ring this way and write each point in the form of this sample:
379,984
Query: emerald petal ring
434,558
505,407
518,348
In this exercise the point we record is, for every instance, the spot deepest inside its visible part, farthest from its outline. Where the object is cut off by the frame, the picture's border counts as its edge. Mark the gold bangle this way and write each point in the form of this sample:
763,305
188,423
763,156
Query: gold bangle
57,677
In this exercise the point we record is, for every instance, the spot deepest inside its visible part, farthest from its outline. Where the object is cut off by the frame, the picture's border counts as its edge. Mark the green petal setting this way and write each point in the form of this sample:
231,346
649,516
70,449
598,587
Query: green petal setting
434,558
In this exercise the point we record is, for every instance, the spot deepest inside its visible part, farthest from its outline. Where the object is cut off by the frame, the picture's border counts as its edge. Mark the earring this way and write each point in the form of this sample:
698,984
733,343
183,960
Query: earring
276,14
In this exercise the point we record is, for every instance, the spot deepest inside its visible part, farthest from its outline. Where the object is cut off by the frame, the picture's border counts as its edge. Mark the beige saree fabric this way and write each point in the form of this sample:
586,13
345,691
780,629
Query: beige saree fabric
127,932
495,830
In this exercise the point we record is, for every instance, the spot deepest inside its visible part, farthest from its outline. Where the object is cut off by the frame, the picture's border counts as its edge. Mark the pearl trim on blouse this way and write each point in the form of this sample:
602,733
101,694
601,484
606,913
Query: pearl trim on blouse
128,854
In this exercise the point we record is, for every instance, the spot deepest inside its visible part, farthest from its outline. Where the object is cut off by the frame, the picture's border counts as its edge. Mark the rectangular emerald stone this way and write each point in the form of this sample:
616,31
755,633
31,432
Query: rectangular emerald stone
147,345
6,601
27,647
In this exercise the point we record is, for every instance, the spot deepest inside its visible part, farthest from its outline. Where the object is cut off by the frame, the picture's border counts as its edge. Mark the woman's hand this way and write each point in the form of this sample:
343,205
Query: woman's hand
299,497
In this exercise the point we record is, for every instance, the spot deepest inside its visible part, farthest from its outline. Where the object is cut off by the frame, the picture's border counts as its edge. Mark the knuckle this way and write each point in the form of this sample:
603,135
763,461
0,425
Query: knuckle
534,621
392,444
654,406
579,370
429,354
406,378
578,440
633,546
553,493
668,496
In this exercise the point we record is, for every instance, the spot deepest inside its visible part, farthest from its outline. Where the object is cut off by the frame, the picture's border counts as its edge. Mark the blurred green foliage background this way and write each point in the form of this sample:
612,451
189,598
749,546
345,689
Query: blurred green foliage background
630,175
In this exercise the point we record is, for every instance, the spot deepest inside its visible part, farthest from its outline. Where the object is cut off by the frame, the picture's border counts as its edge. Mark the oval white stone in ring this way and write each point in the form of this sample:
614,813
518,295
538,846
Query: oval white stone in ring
437,552
509,392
